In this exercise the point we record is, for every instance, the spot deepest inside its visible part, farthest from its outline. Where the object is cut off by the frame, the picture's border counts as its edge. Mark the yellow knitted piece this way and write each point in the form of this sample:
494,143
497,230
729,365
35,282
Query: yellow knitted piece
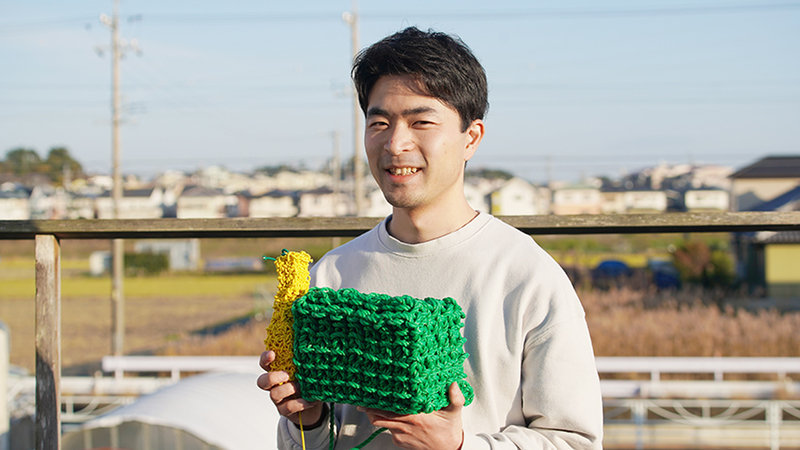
293,282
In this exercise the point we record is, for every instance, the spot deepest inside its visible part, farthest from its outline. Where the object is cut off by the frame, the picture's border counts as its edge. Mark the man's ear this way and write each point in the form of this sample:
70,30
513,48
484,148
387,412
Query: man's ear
474,134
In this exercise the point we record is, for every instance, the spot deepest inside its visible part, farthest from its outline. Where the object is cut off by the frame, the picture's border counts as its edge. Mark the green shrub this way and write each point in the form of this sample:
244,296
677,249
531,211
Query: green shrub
704,265
146,263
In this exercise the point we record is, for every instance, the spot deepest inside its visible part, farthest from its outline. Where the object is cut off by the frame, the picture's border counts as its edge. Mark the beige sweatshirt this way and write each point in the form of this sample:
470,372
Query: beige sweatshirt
530,357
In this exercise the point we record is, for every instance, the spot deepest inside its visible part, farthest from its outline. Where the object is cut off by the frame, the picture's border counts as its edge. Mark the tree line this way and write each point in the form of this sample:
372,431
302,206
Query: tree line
56,166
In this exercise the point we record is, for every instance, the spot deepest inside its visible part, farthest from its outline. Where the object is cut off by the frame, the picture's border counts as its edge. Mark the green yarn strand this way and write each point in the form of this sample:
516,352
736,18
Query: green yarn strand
370,438
331,436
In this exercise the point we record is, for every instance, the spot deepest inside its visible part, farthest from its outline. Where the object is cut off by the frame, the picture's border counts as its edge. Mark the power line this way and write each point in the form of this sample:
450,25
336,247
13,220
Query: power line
484,15
597,13
538,86
171,19
30,26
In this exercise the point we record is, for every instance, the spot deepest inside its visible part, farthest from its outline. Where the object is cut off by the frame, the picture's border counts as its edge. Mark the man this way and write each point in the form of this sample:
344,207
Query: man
530,361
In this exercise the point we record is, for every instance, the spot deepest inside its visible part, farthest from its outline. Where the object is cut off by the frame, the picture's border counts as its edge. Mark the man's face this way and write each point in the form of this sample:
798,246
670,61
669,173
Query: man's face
415,146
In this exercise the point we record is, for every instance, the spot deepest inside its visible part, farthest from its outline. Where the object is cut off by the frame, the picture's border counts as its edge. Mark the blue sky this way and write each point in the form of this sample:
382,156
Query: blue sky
577,88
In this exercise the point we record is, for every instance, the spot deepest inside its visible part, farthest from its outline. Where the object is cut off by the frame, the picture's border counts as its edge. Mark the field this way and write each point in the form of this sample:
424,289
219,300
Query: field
165,313
157,311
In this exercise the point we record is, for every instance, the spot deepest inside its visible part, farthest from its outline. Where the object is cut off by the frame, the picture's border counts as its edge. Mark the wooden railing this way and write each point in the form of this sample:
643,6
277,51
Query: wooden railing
48,233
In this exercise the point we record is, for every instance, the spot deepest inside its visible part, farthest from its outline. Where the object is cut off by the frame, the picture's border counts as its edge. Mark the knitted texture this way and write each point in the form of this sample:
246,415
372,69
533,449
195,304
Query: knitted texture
293,281
397,354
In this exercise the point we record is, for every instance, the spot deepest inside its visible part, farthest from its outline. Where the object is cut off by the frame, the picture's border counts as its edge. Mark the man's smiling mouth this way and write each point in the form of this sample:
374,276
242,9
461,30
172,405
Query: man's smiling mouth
400,171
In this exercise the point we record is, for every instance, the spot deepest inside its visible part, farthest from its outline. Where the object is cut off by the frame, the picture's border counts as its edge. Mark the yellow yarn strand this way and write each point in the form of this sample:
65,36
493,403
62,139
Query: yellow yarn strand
302,433
293,283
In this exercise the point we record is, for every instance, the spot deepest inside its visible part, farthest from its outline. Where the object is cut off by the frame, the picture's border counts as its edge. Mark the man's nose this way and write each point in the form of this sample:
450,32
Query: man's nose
399,140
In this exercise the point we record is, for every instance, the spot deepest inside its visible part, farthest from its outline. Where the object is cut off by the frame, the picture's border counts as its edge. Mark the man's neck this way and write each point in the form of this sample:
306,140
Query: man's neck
416,226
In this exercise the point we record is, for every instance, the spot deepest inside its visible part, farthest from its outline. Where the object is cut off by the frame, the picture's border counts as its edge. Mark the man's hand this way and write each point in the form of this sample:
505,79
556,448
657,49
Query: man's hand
439,429
286,394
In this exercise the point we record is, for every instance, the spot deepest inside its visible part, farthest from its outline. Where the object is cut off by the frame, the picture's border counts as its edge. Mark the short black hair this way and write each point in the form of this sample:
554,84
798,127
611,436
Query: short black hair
443,66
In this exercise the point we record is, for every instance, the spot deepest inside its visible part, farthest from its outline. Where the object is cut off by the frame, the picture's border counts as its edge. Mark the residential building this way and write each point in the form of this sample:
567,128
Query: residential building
476,197
14,202
613,200
764,180
134,204
577,199
275,203
47,202
706,200
198,202
81,207
788,201
774,262
378,206
321,202
183,254
305,180
516,197
767,260
640,201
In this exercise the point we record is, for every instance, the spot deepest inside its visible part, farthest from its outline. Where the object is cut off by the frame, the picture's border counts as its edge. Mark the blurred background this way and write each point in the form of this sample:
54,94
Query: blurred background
246,109
577,88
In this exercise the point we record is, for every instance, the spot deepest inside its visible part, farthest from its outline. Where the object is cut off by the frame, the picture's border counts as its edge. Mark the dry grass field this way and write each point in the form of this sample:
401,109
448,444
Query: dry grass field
621,322
163,313
686,323
157,310
151,322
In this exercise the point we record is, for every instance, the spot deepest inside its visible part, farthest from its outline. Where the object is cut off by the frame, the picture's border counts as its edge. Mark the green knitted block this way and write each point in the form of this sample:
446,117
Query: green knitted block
396,354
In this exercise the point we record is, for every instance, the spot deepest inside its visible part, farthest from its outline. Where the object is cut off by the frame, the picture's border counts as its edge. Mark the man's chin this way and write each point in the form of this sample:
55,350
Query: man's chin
400,202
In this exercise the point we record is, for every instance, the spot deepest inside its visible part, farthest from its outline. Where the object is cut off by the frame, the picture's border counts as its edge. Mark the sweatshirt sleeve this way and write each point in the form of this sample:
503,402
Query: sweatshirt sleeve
561,397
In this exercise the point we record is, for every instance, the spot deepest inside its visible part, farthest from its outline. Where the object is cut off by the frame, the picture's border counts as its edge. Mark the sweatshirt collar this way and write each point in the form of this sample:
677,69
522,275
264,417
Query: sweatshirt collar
426,248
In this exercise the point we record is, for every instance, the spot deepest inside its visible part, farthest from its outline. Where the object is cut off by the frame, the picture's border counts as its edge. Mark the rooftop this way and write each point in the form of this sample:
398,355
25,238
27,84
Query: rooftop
771,167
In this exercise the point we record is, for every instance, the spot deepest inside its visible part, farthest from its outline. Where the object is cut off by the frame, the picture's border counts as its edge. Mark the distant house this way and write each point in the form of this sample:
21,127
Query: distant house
81,207
774,262
276,203
639,201
516,197
205,203
613,201
788,201
706,200
476,197
183,254
301,181
768,259
577,199
378,206
764,180
321,202
14,202
134,204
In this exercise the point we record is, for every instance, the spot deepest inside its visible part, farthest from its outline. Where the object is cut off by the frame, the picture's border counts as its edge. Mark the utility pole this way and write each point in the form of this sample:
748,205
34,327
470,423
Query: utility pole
336,171
118,245
351,19
337,178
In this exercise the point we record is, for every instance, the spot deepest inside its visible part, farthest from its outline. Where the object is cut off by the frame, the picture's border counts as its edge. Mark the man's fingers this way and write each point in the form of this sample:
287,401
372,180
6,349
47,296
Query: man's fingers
266,359
457,399
378,412
270,380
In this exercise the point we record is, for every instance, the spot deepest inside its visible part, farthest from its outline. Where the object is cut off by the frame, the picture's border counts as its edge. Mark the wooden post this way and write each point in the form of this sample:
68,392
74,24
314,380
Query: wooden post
5,425
48,343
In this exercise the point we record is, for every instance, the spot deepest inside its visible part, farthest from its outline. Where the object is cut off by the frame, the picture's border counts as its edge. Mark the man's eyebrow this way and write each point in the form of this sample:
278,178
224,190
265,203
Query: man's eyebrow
376,111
